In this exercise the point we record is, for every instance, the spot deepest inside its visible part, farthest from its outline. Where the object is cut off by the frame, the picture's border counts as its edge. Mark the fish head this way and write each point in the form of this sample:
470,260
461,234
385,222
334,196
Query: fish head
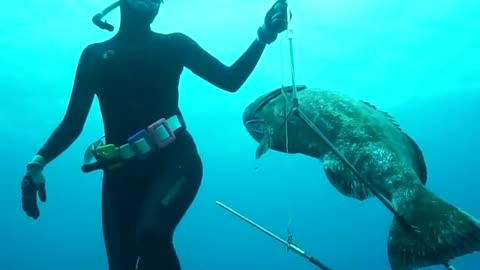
260,118
265,118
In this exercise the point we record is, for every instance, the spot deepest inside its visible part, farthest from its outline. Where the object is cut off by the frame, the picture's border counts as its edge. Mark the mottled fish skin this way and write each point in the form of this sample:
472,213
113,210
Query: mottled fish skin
391,160
367,137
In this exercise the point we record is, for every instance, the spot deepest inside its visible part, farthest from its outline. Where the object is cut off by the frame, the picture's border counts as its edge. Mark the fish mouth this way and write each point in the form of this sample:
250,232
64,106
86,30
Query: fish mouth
254,107
256,126
253,124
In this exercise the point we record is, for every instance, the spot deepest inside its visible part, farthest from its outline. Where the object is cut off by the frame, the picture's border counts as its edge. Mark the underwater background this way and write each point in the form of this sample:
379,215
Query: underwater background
418,60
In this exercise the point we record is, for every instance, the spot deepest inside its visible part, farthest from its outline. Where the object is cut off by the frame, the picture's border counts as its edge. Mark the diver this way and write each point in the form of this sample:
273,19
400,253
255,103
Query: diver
135,76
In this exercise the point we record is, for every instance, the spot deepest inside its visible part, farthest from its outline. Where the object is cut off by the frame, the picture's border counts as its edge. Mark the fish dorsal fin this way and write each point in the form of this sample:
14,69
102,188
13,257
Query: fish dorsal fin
390,117
289,88
420,166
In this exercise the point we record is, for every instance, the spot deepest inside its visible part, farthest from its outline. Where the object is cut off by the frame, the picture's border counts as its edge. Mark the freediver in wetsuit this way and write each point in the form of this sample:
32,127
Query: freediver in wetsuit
135,76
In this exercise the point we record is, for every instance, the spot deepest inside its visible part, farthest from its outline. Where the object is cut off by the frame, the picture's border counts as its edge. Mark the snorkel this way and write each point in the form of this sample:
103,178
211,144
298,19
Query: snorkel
97,19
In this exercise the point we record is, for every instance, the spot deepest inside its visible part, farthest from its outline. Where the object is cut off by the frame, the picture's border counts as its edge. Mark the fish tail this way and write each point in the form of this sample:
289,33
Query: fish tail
430,232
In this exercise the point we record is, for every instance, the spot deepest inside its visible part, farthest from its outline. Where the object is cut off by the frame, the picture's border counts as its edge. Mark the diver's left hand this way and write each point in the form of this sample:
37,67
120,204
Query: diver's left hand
33,185
276,21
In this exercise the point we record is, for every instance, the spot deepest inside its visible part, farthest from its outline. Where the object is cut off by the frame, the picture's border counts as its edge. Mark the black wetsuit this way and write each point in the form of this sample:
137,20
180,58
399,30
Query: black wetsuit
136,82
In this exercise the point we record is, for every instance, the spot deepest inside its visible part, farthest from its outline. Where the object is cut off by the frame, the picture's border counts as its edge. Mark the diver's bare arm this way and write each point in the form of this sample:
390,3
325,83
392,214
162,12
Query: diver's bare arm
79,105
203,64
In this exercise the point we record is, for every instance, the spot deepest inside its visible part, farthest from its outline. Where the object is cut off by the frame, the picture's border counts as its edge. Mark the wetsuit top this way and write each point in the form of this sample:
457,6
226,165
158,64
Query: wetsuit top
136,82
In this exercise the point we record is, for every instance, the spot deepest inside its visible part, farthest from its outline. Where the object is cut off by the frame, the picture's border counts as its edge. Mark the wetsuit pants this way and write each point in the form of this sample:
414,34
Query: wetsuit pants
143,202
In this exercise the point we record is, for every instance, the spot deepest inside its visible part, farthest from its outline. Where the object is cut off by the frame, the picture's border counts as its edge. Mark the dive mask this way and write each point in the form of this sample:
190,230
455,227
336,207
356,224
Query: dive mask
97,19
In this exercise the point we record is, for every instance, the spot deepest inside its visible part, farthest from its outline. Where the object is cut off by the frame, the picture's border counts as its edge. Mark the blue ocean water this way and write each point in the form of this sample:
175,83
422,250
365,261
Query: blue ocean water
418,60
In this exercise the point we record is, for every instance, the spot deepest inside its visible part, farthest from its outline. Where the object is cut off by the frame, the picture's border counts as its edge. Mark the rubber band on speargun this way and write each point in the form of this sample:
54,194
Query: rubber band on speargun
97,19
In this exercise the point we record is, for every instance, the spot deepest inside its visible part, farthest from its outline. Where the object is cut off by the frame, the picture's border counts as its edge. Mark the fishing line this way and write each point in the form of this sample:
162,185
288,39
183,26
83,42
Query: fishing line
288,109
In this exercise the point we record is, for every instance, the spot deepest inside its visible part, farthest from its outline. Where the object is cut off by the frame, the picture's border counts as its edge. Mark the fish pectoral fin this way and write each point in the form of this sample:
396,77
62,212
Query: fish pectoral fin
264,145
345,181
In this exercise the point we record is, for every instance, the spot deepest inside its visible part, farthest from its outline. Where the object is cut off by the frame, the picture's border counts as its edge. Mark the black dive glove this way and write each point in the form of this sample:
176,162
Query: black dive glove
33,184
276,21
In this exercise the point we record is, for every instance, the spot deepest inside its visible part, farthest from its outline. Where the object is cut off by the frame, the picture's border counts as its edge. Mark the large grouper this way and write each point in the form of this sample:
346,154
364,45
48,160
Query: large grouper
372,141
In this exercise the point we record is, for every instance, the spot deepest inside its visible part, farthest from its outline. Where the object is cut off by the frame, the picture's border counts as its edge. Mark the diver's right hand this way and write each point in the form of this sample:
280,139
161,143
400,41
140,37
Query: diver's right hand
276,21
33,184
